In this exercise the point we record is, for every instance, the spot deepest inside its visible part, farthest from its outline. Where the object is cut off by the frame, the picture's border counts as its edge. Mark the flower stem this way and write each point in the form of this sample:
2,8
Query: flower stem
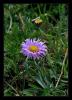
36,64
43,33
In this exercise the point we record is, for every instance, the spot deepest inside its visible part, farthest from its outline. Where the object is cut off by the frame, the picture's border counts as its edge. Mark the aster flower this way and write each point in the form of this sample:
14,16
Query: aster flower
33,48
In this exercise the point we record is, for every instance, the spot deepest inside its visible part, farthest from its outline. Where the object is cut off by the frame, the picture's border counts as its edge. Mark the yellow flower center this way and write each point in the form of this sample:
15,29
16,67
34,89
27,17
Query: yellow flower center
33,48
38,21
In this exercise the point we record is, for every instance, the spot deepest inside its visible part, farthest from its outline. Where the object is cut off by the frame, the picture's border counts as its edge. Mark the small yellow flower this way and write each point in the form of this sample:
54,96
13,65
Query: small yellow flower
37,21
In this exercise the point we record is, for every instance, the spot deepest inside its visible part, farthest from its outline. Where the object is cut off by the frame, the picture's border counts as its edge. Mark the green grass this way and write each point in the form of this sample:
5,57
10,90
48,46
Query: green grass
39,77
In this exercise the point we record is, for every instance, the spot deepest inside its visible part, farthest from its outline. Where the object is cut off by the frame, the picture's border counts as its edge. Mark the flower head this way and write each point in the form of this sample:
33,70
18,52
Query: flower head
37,21
33,48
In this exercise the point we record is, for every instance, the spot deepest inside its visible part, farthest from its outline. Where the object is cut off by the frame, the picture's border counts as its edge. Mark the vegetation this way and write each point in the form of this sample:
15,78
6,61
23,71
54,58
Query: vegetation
47,76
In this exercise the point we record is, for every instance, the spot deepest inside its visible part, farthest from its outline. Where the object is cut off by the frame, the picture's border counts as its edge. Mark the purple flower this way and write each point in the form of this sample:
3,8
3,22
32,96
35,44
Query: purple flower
33,48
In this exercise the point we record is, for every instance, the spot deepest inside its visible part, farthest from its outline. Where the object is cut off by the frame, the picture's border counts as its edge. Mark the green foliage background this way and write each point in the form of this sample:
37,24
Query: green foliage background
26,77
